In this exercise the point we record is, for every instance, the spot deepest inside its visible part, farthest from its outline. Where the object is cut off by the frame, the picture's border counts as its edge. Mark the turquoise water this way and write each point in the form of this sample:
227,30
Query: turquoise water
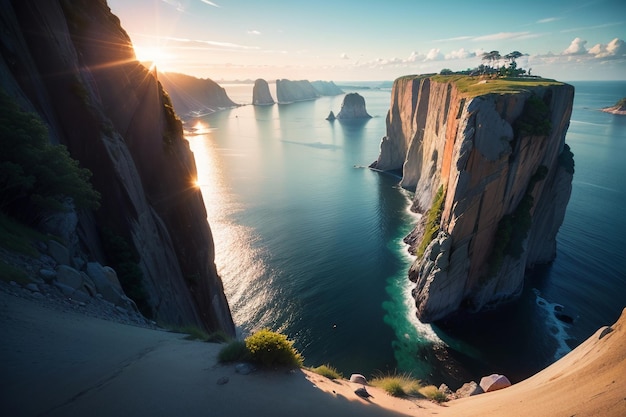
309,242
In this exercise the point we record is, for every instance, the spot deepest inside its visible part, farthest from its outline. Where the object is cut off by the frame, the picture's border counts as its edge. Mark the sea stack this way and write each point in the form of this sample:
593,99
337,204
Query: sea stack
261,95
353,107
491,174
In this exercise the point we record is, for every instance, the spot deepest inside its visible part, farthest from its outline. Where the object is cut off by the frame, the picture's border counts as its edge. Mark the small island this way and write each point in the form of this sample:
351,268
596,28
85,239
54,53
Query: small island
618,108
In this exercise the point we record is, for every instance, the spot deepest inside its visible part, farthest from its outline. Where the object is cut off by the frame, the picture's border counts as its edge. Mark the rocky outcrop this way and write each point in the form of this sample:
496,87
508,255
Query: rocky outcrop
326,88
193,96
618,108
491,173
353,107
74,65
288,91
261,95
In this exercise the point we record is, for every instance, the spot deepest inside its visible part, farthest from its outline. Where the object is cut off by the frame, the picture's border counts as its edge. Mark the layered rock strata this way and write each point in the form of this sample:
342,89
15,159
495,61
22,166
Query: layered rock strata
74,65
491,173
261,95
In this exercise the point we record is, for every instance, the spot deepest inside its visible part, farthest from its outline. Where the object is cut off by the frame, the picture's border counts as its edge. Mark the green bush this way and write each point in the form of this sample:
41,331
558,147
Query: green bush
398,385
233,352
433,220
432,393
535,118
327,371
270,349
36,175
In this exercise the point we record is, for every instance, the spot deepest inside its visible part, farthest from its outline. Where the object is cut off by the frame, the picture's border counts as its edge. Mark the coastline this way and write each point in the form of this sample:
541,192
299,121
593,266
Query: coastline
614,110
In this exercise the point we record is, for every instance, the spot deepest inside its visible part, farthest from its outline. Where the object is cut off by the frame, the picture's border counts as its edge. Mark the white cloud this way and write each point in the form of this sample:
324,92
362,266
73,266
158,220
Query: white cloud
577,47
434,55
254,32
460,54
415,56
176,4
210,3
614,49
548,20
344,56
502,35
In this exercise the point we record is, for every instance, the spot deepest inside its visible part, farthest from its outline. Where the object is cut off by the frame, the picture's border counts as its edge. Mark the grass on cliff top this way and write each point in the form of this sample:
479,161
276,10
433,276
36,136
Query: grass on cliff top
476,85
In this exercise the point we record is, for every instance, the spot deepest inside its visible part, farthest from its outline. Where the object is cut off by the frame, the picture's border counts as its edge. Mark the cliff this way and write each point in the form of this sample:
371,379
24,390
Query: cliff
261,95
192,96
353,107
74,65
288,91
491,173
326,88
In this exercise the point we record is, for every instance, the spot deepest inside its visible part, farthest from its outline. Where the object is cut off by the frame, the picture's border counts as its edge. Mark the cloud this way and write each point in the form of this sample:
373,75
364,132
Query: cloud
415,56
460,54
254,32
344,56
503,35
577,47
614,49
548,20
434,55
605,25
210,3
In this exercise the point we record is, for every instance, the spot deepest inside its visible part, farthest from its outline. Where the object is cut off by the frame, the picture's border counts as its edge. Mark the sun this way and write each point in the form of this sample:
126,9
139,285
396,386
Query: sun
154,55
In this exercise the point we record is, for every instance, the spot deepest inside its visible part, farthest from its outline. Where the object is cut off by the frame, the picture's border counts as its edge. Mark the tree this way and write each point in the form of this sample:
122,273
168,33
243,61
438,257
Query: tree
36,175
491,57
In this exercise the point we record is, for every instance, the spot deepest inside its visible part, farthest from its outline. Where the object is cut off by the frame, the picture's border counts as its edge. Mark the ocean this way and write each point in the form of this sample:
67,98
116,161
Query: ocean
309,241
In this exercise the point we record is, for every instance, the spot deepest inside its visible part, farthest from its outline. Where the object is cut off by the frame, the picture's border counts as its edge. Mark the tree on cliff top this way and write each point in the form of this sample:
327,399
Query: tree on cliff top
36,175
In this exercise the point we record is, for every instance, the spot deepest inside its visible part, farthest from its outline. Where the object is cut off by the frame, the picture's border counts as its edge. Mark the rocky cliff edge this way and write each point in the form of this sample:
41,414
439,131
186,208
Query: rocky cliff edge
492,176
74,65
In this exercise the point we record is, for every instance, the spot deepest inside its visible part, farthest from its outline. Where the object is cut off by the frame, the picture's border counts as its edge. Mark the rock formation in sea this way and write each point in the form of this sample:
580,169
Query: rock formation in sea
353,107
261,95
193,96
491,174
73,64
326,88
618,108
331,116
288,91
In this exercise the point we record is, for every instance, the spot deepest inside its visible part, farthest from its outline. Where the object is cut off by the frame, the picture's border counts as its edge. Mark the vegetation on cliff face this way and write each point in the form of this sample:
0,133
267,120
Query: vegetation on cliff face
36,175
513,228
433,219
534,120
566,159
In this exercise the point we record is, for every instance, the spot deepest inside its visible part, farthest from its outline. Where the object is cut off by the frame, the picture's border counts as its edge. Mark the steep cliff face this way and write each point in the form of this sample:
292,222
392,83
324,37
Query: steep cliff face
288,91
326,88
492,175
192,96
71,62
353,107
261,95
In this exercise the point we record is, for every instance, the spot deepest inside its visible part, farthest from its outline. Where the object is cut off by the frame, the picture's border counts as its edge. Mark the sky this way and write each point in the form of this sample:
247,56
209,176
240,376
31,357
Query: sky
354,40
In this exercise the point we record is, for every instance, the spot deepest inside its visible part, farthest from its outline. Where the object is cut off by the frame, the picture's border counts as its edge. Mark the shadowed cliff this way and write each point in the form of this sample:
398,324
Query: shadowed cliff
491,174
73,64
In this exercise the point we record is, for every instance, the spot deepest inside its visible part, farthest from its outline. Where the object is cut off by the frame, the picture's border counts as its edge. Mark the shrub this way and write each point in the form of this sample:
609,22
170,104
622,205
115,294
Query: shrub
193,333
432,393
433,220
233,352
327,371
219,336
535,118
398,385
271,349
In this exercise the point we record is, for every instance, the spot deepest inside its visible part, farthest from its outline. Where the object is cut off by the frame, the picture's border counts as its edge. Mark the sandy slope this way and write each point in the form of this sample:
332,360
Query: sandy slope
63,364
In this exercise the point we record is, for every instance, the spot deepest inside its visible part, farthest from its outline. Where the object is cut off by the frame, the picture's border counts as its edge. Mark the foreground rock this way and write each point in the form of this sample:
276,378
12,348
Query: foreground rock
353,107
494,382
492,173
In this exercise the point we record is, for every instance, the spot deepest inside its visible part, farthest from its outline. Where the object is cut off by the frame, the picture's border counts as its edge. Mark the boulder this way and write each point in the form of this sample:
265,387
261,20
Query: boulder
68,276
331,116
59,252
494,382
358,379
105,281
48,275
468,389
